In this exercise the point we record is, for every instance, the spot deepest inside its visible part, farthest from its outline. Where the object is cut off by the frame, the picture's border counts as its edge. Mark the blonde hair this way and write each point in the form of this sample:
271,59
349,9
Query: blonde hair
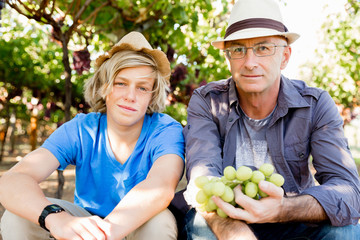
100,85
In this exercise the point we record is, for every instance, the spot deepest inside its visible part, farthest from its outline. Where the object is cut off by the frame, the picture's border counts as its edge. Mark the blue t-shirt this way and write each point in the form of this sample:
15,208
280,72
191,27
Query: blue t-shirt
102,181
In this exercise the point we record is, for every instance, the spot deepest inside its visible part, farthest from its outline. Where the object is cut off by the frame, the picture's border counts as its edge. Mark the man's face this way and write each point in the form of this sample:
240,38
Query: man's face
255,74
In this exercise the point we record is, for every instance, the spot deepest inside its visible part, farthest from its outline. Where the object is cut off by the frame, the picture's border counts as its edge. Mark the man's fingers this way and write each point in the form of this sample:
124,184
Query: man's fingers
271,189
242,200
230,210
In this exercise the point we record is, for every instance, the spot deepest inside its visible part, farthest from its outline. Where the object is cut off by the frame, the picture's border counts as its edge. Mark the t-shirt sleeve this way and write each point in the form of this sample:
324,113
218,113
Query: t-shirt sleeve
168,140
64,143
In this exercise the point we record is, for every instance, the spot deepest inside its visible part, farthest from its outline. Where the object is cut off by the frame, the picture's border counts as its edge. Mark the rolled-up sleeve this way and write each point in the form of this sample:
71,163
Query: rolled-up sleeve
203,145
339,189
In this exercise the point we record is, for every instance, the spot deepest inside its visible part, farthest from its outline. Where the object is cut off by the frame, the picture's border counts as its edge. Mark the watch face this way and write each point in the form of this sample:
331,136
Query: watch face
53,207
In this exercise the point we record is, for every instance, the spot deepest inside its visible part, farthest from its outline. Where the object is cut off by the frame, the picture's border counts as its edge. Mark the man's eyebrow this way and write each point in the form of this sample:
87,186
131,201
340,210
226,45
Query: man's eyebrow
236,44
262,42
241,44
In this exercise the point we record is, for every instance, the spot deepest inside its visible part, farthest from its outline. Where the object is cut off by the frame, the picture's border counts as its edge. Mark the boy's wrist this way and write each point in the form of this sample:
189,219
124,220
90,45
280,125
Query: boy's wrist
50,209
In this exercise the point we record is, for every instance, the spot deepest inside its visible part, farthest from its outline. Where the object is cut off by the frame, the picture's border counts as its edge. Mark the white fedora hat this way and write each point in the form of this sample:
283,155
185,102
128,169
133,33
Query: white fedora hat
255,18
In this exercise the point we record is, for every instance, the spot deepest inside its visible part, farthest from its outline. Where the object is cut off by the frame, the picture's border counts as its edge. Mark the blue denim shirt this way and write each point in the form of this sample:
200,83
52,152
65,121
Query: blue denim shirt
306,121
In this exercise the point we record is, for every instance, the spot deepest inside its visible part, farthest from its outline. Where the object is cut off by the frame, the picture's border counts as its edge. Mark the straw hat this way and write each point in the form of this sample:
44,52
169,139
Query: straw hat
255,18
137,42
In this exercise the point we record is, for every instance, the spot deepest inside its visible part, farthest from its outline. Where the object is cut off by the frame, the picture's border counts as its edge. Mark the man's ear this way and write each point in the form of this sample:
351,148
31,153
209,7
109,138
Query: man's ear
228,63
285,57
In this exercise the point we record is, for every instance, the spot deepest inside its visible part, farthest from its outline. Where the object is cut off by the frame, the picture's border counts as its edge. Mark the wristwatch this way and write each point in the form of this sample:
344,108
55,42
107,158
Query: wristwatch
53,208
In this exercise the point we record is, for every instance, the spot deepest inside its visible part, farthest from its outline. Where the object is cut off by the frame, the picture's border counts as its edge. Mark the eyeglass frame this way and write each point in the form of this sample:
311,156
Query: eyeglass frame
227,51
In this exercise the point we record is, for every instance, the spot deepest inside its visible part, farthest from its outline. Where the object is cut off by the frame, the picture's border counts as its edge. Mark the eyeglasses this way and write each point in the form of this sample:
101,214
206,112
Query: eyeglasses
260,50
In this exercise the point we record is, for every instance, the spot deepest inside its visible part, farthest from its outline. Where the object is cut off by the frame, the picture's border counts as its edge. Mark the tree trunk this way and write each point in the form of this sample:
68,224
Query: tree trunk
68,89
12,132
3,133
33,132
61,182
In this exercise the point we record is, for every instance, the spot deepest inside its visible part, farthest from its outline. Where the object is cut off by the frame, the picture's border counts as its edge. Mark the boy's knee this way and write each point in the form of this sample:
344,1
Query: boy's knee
161,226
14,227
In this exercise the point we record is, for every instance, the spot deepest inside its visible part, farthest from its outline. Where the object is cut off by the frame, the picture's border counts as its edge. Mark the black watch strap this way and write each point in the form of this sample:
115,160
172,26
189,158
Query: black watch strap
53,208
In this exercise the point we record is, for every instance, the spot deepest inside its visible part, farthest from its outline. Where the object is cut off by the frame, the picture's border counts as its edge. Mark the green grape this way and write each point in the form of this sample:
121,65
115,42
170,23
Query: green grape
228,195
214,179
233,202
232,185
277,179
221,213
257,176
262,194
210,205
202,207
230,173
243,173
224,180
201,181
251,189
218,189
201,197
267,169
208,188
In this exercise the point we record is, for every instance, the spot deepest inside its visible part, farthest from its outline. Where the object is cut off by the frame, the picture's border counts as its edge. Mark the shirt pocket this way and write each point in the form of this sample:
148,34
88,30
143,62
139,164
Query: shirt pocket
297,158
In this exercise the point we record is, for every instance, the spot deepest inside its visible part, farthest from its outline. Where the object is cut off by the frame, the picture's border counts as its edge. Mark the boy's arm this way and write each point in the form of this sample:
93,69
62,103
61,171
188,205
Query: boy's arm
149,197
21,194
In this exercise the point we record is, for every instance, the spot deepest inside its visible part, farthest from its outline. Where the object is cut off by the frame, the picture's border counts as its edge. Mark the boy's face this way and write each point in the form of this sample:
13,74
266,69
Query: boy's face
130,97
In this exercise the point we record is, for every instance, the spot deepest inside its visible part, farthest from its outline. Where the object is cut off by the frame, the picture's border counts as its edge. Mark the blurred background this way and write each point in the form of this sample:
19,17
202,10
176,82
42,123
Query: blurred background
48,48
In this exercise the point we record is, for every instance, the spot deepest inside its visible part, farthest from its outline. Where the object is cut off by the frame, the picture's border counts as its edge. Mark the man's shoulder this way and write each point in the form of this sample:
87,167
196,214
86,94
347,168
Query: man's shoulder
304,89
216,87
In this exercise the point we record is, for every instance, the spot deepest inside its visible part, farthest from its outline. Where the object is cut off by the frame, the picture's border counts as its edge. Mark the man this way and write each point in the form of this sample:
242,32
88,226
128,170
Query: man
259,116
128,157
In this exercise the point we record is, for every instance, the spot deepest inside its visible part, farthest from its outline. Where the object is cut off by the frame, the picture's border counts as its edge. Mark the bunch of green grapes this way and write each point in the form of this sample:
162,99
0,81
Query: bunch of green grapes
223,186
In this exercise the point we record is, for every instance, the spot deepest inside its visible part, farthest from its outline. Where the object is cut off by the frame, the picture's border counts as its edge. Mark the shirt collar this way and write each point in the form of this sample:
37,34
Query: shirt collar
289,96
233,99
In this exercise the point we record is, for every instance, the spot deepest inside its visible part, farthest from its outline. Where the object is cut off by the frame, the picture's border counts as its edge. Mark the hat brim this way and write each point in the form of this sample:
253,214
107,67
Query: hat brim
254,33
160,58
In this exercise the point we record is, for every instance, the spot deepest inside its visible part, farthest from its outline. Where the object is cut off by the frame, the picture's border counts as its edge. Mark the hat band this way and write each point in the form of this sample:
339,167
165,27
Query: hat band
255,23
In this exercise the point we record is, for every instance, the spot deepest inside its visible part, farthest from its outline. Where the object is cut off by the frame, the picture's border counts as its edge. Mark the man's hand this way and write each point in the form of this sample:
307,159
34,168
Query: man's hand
265,210
64,226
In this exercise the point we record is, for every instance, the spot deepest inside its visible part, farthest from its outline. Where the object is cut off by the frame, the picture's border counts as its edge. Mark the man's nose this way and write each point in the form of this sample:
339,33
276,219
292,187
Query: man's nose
250,59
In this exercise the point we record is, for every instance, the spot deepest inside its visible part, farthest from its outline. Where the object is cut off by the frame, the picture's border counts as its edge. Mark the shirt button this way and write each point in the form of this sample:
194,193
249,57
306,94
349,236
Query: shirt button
231,119
301,155
188,126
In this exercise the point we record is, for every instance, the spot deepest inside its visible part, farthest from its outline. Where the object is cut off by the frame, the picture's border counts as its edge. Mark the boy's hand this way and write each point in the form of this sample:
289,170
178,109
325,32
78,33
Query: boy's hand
63,226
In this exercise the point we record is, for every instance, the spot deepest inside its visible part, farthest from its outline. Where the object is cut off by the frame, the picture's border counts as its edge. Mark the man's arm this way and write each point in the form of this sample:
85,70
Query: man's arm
336,172
228,228
21,194
149,197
